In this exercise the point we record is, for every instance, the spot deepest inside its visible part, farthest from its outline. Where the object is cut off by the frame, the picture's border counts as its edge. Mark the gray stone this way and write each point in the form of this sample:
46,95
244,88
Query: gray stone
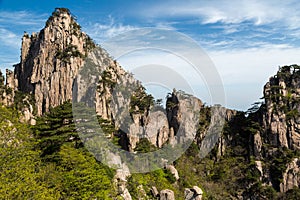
173,171
291,177
167,195
154,191
194,193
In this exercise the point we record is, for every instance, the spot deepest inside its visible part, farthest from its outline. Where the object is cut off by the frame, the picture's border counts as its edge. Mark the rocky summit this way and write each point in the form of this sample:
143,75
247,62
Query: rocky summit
255,156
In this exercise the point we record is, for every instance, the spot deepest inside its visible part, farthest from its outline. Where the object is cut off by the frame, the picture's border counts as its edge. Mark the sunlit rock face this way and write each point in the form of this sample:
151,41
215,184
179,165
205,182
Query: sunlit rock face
282,108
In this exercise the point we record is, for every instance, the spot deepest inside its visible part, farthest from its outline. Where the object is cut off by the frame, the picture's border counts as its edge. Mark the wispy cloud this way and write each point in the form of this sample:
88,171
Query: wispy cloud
229,12
22,18
103,31
9,53
9,39
12,26
239,23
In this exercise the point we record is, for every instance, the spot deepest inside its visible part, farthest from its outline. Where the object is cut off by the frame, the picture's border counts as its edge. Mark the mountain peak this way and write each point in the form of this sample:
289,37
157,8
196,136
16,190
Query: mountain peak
50,60
60,15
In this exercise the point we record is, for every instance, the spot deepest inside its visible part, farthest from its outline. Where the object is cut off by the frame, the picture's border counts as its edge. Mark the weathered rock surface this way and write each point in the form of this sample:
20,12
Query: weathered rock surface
257,145
154,191
194,193
157,128
183,115
120,178
53,58
50,61
173,171
281,117
291,176
167,195
7,90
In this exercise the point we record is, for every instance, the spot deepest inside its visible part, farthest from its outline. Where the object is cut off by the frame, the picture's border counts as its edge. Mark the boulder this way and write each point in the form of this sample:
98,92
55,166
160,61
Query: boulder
194,193
167,195
173,171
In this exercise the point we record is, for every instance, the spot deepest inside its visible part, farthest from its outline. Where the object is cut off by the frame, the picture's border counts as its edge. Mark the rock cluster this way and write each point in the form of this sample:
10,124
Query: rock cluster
291,176
281,119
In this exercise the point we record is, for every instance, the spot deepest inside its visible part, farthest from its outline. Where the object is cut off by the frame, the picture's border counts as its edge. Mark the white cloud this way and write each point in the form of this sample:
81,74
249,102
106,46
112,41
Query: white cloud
9,39
229,12
103,31
12,25
22,18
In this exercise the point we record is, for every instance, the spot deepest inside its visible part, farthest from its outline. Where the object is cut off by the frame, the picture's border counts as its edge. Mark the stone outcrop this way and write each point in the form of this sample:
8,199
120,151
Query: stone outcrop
7,90
167,195
154,192
173,171
194,193
50,60
291,176
183,115
120,100
120,178
257,145
281,119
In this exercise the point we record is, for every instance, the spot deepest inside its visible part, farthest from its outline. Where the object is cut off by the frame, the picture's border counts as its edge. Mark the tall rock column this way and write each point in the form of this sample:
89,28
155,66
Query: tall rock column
51,59
282,108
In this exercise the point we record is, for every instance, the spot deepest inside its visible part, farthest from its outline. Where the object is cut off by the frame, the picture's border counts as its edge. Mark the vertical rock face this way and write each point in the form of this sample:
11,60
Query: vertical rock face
291,177
183,112
50,60
7,91
279,135
257,145
123,100
282,104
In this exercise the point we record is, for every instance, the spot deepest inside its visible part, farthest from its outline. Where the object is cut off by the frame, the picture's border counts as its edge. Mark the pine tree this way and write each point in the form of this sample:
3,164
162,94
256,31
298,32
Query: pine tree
55,128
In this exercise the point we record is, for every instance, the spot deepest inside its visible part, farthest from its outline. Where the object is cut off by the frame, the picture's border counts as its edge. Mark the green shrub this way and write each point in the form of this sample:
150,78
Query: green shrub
144,146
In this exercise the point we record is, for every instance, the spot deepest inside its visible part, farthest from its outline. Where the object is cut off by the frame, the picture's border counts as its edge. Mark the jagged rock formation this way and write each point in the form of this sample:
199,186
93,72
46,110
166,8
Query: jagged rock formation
291,176
281,119
50,60
7,90
122,99
276,143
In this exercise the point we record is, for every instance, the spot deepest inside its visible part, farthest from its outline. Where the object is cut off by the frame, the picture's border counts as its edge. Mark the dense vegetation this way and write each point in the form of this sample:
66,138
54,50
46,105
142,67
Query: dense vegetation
47,161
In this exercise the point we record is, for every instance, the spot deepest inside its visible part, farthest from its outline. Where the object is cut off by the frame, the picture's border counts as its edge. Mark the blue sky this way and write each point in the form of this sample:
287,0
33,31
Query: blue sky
246,40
